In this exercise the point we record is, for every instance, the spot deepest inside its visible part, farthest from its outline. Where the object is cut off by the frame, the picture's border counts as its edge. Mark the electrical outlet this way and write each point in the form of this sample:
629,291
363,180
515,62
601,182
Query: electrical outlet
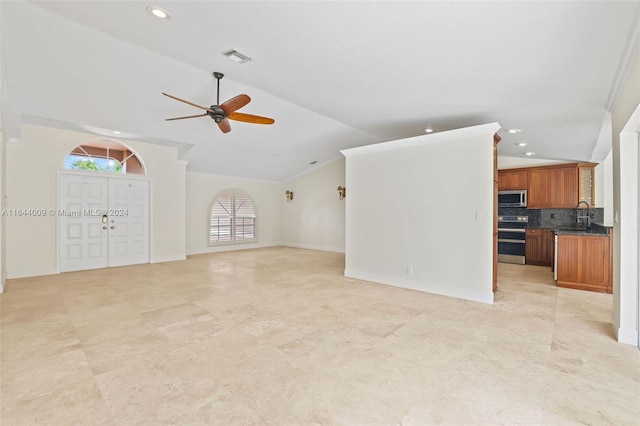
553,215
409,270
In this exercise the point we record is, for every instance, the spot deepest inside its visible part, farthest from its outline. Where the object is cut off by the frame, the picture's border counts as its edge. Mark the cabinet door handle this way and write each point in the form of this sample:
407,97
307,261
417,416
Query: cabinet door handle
113,227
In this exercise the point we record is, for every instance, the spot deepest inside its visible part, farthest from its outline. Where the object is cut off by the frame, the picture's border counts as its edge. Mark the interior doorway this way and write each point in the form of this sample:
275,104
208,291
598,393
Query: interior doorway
103,221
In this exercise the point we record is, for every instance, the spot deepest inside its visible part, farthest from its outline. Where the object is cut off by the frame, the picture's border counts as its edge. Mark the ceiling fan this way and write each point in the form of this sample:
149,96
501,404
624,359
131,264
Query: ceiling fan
222,113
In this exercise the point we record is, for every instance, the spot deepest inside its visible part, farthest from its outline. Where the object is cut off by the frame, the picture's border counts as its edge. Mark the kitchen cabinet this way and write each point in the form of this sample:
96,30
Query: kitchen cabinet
584,262
586,188
538,189
512,179
558,186
563,188
539,246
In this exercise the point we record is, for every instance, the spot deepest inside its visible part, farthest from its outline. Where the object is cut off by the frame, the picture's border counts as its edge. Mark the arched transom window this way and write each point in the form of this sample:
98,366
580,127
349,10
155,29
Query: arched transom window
232,219
104,155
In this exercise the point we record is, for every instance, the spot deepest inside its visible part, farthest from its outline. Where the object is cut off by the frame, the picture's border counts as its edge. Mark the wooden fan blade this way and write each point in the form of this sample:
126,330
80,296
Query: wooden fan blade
235,103
188,116
250,118
225,126
188,103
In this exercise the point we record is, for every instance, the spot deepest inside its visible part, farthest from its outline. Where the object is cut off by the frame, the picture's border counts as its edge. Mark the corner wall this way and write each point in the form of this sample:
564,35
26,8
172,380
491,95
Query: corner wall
32,164
201,189
420,213
315,218
625,118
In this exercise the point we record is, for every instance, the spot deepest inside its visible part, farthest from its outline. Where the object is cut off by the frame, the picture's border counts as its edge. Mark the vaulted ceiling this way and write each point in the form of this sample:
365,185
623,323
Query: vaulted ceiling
333,75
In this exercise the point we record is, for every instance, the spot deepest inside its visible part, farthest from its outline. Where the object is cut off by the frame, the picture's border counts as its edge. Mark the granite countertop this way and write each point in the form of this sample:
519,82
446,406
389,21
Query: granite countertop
575,229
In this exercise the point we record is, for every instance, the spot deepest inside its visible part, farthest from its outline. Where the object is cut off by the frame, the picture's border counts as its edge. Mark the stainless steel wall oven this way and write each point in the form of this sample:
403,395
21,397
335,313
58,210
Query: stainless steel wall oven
511,239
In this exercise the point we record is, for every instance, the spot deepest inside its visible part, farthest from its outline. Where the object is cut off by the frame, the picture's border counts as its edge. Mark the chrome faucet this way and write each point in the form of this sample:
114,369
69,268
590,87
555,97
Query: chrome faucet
588,216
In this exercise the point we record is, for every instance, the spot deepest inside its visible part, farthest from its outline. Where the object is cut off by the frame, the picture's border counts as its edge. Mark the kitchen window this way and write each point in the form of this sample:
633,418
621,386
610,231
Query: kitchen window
232,219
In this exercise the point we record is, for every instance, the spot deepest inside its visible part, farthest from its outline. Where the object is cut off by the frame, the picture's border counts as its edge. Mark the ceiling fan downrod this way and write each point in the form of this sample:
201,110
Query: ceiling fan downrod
218,76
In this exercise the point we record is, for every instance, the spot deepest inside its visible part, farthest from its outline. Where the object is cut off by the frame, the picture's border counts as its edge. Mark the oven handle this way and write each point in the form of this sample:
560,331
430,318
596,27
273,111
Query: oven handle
506,240
511,230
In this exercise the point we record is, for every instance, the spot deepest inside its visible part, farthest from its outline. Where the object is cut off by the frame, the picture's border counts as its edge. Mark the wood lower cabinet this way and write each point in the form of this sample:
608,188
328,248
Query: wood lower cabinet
539,245
584,262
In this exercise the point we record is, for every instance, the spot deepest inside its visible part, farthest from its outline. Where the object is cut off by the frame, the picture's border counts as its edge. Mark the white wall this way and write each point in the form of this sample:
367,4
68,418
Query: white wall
419,212
514,162
625,126
3,180
604,174
315,218
201,189
3,156
31,167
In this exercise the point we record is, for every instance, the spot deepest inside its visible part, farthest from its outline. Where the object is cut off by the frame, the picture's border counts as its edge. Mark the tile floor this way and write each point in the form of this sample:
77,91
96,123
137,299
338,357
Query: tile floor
279,336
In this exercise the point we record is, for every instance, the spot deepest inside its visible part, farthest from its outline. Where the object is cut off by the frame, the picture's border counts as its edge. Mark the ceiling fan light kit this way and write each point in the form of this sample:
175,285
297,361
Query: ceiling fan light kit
222,113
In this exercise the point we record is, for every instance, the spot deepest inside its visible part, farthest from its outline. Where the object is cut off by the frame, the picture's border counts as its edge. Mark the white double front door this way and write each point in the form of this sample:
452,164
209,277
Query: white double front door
102,221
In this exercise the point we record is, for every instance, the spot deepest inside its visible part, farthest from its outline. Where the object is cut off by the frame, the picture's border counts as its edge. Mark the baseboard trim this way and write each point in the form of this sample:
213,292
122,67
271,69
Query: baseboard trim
161,259
31,273
630,337
460,293
232,247
314,247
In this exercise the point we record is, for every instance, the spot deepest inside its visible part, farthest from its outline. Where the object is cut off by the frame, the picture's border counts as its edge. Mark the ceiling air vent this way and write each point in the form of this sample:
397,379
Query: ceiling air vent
236,56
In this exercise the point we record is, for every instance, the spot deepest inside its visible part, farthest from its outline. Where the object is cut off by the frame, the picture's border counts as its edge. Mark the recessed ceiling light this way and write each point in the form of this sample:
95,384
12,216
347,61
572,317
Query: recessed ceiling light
236,56
116,132
514,130
529,153
158,12
428,130
522,144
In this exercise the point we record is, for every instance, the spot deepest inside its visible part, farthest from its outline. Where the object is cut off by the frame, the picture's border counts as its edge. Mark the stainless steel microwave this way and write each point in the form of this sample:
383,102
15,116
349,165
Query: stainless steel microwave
515,198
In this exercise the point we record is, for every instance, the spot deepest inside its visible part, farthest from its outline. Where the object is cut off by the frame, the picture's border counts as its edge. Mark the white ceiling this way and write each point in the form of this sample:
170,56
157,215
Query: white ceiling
334,75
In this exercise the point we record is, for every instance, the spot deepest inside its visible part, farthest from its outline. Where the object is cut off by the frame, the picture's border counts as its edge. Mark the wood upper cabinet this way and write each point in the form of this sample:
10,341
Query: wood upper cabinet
560,186
538,189
584,262
512,179
586,188
563,188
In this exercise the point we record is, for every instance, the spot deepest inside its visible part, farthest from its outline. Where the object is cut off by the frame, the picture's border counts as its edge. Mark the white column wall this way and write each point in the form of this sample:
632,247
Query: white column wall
626,125
420,213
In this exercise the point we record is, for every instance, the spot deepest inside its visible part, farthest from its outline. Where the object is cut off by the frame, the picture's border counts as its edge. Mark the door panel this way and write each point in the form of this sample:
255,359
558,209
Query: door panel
128,221
87,243
82,239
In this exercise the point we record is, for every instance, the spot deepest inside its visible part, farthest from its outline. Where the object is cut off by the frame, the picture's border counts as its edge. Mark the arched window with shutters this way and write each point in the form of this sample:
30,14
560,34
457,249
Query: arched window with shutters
232,219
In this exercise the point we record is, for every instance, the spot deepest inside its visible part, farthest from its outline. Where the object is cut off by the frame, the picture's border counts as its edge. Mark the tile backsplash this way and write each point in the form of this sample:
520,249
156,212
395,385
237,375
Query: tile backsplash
551,217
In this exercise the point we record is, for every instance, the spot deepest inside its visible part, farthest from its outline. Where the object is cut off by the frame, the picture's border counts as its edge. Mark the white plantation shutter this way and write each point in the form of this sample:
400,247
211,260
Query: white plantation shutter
232,219
245,218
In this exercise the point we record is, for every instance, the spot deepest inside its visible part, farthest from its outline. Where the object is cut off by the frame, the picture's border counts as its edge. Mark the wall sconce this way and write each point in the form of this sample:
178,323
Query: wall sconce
342,192
289,195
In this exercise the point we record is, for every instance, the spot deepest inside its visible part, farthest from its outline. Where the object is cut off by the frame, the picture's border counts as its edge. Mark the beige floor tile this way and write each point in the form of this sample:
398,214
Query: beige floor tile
279,336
